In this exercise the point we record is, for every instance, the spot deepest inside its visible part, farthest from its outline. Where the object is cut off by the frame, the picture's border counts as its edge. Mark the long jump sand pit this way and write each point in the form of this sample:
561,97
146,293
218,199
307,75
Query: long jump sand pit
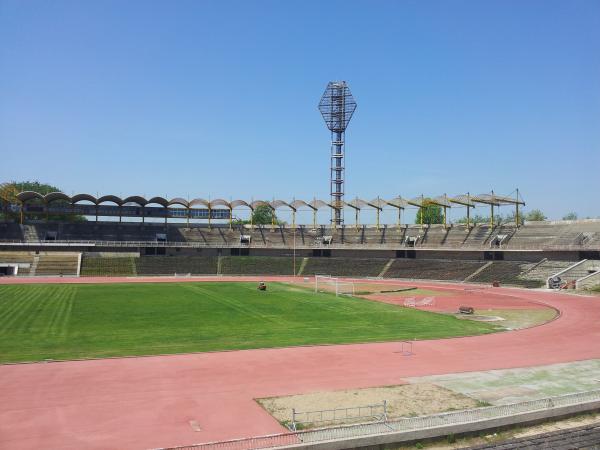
161,401
316,409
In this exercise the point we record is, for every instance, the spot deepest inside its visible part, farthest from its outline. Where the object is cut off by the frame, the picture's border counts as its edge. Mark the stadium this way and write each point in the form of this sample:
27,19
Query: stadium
90,283
413,320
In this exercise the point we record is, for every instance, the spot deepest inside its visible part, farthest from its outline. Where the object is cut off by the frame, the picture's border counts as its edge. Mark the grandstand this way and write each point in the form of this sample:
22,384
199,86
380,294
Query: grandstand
436,269
552,236
148,244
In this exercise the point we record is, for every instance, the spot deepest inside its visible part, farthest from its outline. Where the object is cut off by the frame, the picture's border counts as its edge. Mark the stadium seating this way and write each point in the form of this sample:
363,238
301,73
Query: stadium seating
546,269
258,265
478,236
170,265
534,235
108,266
57,264
25,258
349,267
432,269
507,272
11,232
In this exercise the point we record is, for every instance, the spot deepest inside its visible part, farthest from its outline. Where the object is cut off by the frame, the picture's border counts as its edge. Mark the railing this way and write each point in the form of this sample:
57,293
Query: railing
258,244
400,425
377,413
591,280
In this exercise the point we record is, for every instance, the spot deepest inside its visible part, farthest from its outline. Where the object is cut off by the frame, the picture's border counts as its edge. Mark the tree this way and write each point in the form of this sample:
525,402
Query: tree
474,219
570,216
535,215
262,215
43,188
511,217
430,213
35,186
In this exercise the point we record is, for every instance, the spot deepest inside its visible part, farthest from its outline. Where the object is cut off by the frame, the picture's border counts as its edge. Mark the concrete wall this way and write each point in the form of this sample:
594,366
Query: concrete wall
430,433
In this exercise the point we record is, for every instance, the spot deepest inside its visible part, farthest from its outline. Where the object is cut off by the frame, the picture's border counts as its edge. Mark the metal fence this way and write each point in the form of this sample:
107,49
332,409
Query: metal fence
399,425
365,413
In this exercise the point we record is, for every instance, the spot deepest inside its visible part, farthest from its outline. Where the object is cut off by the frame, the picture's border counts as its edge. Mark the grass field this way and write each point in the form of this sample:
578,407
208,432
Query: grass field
68,321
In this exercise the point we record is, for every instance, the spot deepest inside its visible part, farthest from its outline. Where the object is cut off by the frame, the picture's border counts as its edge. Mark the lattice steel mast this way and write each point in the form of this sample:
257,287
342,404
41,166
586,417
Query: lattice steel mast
337,106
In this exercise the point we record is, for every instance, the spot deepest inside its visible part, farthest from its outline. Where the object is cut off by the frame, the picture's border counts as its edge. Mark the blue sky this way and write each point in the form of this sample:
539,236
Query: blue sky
219,99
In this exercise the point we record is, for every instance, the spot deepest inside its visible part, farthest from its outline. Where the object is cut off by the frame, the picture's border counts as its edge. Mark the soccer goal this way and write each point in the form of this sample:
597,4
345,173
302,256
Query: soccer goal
327,283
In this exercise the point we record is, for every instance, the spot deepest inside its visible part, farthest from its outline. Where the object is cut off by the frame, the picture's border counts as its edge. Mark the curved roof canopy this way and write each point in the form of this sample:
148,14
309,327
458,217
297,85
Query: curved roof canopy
136,199
257,203
220,202
315,204
179,201
83,198
56,196
110,198
281,203
29,195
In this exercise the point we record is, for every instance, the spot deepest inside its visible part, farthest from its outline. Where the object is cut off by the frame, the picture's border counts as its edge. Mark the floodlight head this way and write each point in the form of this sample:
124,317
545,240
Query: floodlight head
337,106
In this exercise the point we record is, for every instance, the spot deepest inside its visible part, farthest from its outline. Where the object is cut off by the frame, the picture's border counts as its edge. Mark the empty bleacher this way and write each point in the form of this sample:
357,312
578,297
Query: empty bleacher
24,259
170,265
258,265
545,269
507,272
11,232
432,269
108,266
478,236
348,267
536,235
57,264
533,235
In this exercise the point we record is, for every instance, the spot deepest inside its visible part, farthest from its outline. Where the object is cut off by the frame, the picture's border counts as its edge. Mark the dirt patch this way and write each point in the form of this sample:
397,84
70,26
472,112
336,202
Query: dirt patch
407,400
390,292
515,319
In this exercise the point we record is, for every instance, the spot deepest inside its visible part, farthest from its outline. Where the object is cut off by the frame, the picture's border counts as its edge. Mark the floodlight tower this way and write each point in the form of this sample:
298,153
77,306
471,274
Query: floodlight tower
337,106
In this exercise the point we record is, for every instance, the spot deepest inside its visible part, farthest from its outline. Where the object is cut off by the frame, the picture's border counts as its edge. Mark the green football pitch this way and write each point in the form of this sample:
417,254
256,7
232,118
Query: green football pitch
69,321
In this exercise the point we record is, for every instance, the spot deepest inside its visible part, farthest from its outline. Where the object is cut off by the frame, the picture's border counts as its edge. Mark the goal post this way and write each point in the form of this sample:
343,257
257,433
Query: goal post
334,285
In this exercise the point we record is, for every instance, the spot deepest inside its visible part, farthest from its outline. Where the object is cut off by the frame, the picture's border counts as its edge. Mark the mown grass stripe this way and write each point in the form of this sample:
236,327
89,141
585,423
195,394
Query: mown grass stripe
22,307
68,321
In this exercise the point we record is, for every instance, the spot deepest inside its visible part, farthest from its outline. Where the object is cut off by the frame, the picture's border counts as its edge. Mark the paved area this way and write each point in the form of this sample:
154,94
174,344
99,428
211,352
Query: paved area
502,387
135,403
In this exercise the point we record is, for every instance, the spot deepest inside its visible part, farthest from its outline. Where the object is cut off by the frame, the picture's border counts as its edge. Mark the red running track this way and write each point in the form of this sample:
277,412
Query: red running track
136,403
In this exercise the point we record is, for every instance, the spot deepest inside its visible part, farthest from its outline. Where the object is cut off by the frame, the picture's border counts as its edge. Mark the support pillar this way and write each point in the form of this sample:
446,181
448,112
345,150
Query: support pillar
517,221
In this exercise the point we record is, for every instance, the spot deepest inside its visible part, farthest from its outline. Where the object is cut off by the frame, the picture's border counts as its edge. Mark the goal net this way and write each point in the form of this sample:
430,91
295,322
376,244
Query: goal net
337,286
